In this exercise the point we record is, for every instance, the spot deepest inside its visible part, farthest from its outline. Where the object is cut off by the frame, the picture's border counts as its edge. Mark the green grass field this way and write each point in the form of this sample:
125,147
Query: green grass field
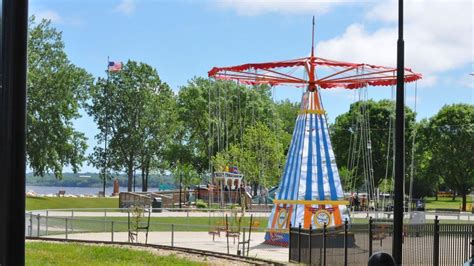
41,253
445,203
40,203
190,224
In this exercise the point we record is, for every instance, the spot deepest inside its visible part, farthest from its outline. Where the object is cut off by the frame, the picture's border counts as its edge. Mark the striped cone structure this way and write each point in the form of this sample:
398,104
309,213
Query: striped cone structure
310,191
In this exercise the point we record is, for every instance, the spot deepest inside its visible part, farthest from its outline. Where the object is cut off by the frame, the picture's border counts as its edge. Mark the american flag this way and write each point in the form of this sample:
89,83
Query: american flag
115,66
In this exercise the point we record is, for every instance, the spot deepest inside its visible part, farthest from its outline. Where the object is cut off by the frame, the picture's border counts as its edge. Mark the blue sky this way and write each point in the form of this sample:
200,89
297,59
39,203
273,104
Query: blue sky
186,38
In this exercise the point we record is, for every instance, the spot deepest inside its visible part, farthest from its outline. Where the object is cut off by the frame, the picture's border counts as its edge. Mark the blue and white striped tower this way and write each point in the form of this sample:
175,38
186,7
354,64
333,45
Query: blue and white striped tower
310,191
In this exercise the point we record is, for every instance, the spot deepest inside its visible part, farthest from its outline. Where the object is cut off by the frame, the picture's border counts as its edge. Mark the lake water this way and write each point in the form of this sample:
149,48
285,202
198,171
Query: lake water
77,190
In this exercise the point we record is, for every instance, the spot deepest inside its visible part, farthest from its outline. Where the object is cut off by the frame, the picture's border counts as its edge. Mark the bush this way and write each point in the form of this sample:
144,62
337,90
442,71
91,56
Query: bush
201,204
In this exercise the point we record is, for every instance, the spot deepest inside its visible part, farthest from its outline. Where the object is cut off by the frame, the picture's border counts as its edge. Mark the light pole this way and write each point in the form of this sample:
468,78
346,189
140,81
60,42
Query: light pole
399,143
13,65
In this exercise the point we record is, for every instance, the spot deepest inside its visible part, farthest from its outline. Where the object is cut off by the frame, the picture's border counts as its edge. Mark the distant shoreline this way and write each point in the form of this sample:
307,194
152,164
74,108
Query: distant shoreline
52,191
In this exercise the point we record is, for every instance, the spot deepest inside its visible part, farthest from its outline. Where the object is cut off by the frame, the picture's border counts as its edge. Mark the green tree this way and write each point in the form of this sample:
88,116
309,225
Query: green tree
451,133
134,109
426,178
57,89
186,174
287,113
348,125
213,116
260,157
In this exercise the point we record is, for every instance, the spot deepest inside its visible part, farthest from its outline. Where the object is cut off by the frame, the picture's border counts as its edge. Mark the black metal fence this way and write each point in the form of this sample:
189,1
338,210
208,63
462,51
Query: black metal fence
423,244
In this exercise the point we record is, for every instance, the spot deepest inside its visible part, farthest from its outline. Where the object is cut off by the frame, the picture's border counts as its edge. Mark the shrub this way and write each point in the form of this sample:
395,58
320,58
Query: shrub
201,204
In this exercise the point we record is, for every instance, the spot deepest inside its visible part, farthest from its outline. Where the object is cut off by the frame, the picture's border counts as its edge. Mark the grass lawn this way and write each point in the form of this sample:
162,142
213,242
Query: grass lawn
97,224
42,253
445,203
38,203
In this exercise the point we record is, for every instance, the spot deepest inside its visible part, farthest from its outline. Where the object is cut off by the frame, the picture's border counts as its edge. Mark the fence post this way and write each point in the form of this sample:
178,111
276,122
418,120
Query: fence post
226,232
66,228
472,249
105,220
289,243
172,235
370,235
243,242
345,242
38,224
309,243
250,233
46,223
31,224
299,243
112,230
324,243
436,242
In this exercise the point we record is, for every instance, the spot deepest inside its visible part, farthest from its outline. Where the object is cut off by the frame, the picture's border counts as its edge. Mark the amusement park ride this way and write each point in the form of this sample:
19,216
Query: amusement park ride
310,191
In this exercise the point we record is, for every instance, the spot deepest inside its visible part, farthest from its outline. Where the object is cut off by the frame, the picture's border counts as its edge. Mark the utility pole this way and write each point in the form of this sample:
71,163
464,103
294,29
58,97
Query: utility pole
399,143
13,65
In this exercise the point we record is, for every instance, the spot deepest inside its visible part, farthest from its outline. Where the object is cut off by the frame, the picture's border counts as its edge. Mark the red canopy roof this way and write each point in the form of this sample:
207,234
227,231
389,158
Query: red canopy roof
317,72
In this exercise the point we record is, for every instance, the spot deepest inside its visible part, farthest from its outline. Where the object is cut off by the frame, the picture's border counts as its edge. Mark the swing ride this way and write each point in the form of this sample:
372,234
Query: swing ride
310,191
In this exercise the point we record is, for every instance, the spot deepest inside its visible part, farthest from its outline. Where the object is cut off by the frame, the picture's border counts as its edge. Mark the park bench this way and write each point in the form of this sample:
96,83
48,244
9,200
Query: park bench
61,193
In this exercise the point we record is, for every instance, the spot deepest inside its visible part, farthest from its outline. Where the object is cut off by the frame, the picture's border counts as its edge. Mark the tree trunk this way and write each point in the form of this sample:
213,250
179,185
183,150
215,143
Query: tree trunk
143,180
464,196
454,195
147,173
130,177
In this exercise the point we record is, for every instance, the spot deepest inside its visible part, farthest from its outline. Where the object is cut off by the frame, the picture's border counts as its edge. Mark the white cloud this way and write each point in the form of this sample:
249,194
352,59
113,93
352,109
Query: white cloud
48,14
126,7
438,37
257,7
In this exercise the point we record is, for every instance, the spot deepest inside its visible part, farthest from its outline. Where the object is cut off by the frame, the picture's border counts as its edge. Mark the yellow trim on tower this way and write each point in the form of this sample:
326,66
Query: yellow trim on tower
317,112
312,202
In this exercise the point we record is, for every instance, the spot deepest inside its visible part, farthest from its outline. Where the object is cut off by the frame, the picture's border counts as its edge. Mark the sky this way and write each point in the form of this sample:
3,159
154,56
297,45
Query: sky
183,39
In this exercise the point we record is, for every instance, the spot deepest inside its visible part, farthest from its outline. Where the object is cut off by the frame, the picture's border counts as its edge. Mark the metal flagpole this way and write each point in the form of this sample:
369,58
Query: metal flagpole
399,144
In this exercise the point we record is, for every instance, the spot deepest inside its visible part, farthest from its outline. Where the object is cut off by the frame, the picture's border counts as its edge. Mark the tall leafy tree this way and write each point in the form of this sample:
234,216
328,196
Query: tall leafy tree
287,112
260,157
57,89
135,110
213,116
378,114
426,177
451,133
